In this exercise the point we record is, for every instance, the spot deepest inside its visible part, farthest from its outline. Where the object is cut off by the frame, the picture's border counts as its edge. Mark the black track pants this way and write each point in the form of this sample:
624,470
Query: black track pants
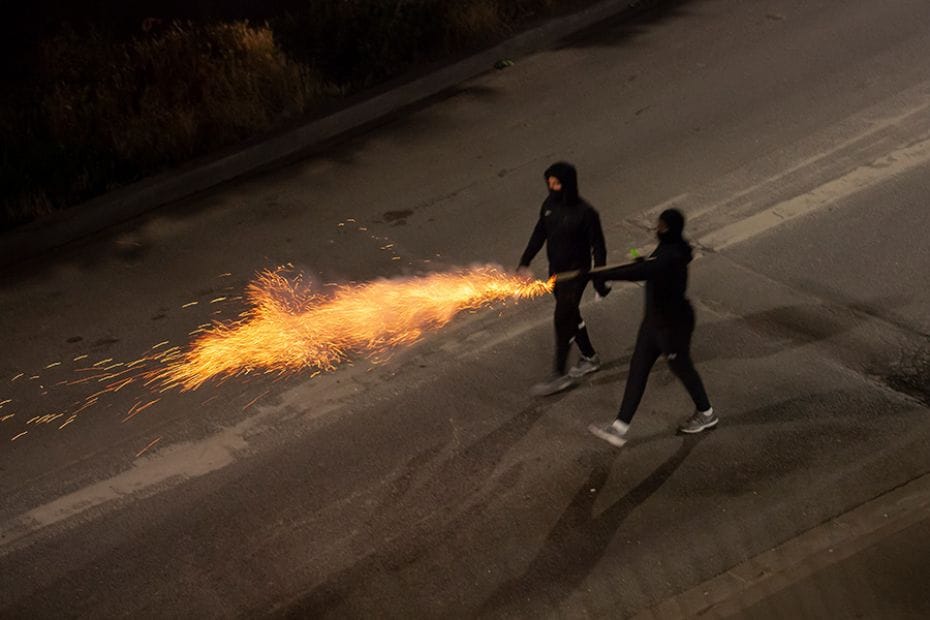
673,341
569,326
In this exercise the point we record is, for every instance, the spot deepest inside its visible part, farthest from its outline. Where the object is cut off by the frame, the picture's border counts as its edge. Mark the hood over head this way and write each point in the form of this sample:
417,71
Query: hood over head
568,177
675,223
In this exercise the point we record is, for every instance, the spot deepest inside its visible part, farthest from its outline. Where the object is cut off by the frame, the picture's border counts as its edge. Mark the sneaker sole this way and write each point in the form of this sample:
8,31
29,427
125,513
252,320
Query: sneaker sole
617,442
578,375
549,391
703,427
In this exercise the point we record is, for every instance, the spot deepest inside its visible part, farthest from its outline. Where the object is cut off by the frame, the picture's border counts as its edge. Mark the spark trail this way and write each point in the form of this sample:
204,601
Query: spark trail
288,328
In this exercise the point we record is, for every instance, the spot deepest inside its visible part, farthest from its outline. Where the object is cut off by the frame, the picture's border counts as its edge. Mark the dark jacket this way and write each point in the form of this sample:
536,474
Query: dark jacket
666,275
568,226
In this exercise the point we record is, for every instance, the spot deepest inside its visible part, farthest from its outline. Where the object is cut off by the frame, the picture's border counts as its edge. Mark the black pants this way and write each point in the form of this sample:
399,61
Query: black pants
669,338
569,326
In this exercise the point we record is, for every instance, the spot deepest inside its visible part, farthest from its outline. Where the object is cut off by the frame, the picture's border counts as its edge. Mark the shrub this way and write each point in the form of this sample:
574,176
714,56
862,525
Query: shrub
94,106
110,112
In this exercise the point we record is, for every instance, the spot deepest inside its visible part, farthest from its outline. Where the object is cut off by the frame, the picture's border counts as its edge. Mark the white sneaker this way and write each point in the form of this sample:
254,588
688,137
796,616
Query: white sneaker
614,433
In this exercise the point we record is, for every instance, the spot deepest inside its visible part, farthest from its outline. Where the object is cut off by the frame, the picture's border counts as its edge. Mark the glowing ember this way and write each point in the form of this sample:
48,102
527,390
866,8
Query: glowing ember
290,328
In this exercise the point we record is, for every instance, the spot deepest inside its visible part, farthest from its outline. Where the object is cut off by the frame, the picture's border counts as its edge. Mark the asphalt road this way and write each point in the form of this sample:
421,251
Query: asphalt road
795,136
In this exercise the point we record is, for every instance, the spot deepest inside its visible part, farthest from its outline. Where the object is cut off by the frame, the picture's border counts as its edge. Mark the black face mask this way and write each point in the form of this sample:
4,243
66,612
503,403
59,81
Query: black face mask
674,222
568,177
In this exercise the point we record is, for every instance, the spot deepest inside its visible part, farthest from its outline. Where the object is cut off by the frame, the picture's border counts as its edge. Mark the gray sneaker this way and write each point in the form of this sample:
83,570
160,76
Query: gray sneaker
699,421
613,433
554,385
585,366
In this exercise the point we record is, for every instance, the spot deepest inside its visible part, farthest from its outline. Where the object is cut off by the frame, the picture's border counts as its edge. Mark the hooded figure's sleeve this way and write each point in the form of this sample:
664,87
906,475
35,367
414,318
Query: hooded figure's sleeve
537,239
596,240
598,249
637,272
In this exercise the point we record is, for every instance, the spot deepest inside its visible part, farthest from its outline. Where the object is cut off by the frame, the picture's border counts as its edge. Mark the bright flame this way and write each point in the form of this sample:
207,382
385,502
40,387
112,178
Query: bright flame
290,328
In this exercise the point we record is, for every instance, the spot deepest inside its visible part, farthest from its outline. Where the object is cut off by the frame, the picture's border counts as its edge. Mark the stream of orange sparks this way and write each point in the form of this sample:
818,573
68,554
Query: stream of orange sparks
290,328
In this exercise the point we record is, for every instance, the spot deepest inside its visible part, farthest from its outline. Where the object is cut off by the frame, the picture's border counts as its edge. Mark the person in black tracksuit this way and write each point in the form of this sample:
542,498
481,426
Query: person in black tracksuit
571,230
665,330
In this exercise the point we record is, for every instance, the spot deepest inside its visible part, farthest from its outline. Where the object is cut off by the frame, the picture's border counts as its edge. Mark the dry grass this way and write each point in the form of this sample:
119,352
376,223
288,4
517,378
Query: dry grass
101,110
170,96
107,113
469,22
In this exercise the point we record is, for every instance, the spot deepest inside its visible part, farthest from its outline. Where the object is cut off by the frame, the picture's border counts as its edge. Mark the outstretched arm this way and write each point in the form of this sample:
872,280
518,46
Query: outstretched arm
635,272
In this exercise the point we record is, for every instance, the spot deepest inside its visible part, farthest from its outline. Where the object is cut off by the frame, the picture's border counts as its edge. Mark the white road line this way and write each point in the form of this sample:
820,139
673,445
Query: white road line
864,177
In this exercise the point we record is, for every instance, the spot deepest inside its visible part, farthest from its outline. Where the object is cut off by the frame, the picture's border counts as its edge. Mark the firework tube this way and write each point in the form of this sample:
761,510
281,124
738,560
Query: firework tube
576,273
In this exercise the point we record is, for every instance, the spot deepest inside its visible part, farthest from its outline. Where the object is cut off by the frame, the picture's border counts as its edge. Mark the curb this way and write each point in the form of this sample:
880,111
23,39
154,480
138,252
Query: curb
126,203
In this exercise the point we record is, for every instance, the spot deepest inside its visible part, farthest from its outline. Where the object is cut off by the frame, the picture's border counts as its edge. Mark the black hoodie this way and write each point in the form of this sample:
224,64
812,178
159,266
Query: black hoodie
569,226
665,273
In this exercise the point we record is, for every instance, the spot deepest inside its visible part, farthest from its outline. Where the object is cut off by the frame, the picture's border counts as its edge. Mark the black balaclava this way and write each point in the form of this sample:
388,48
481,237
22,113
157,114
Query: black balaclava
568,177
675,222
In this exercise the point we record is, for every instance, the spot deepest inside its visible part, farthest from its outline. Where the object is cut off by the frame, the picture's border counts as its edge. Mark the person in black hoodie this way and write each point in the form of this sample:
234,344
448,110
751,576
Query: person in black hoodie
571,230
665,330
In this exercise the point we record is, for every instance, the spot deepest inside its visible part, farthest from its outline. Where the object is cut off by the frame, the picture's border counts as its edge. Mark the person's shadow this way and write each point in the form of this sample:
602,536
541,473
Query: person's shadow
452,484
580,538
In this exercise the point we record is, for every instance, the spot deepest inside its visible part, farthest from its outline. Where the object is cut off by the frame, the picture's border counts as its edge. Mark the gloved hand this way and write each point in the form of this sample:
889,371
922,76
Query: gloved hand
524,271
